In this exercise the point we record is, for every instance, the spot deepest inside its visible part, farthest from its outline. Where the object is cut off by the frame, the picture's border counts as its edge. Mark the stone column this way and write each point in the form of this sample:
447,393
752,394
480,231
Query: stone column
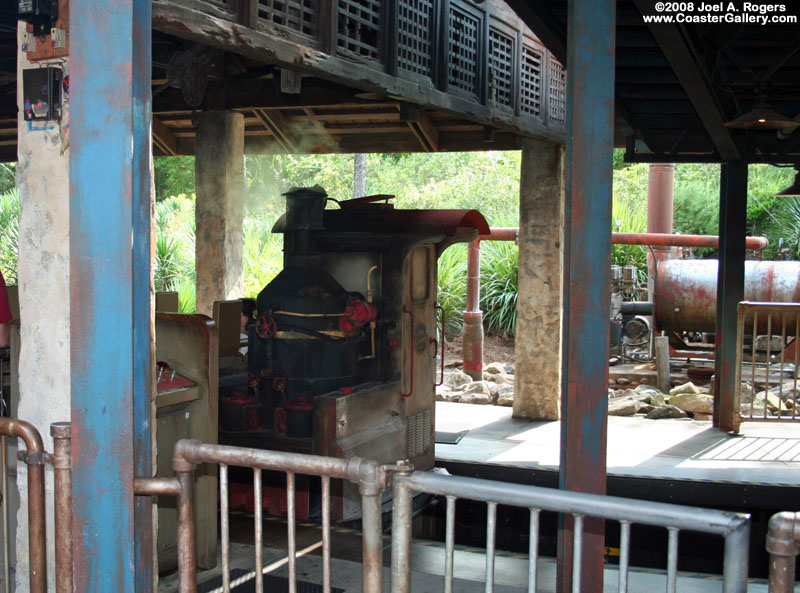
219,210
43,273
537,354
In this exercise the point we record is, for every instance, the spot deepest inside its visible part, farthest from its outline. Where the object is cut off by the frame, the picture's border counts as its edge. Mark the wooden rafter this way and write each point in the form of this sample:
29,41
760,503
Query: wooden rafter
164,139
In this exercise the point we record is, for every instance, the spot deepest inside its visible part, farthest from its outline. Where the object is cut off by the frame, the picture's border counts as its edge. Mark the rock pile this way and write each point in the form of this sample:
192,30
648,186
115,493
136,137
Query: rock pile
496,387
683,401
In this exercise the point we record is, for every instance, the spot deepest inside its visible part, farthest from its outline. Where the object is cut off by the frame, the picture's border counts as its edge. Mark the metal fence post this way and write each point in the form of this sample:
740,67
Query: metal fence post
401,535
783,545
62,470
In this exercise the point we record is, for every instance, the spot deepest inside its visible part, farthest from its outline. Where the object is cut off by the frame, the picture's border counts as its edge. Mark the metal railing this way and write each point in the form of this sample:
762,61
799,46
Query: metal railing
35,457
371,478
733,527
783,545
767,357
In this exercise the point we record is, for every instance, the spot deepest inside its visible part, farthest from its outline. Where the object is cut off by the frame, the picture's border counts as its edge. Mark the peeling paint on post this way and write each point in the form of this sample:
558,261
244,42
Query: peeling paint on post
109,288
590,125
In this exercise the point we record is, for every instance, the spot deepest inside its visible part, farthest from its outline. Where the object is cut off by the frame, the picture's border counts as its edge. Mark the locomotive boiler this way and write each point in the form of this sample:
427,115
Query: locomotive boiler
342,357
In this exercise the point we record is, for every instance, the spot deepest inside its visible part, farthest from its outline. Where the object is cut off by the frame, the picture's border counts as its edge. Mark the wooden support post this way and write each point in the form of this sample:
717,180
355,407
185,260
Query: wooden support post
662,364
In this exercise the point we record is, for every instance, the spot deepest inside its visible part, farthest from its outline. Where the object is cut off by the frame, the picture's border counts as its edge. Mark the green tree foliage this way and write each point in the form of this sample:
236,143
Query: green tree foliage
9,235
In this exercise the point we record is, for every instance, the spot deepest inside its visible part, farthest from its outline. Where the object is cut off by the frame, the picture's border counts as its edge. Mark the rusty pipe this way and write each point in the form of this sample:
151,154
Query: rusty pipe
36,510
187,575
669,240
783,545
156,487
62,473
660,196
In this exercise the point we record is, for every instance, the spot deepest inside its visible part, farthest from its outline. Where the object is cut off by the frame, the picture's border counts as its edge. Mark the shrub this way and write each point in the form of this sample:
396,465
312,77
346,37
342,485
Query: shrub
499,286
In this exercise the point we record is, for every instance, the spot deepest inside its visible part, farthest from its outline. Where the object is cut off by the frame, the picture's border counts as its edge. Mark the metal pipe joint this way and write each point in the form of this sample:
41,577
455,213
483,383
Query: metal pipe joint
185,451
783,534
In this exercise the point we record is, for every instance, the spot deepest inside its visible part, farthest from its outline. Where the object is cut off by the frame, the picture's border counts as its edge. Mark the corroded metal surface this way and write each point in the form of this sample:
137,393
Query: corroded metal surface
686,290
62,470
590,121
110,290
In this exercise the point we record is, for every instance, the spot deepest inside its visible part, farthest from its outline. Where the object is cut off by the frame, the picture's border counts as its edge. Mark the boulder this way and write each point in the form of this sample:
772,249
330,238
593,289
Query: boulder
774,342
685,388
746,393
455,379
623,406
771,401
666,411
508,368
476,397
645,408
505,395
623,381
694,403
494,368
499,378
703,417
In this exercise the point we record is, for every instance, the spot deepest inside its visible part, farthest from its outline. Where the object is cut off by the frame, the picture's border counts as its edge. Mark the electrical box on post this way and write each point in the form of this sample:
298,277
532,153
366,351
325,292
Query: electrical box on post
42,14
46,33
41,89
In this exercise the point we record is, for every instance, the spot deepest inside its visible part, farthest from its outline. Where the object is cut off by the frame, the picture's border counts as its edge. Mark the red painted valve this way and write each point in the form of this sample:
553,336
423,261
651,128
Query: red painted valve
357,314
252,381
266,326
279,382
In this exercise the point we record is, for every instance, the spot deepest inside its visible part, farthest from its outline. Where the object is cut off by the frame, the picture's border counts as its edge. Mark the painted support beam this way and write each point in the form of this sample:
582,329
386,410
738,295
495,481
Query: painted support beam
693,80
587,241
110,292
730,288
164,138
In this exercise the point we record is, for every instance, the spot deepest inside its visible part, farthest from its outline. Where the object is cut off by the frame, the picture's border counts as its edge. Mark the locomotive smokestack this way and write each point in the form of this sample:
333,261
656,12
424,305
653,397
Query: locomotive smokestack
304,206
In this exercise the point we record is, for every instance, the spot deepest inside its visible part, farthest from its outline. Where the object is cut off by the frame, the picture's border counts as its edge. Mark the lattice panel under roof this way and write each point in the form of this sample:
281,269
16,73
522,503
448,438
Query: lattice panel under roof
414,25
558,93
359,27
463,44
530,81
224,4
297,15
501,65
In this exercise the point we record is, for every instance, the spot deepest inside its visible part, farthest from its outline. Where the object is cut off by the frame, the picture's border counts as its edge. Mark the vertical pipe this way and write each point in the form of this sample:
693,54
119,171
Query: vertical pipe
62,470
258,528
372,543
577,554
624,554
730,286
326,534
533,550
401,536
472,347
587,239
672,560
225,530
449,544
753,362
491,527
660,187
6,587
767,369
291,517
736,556
187,561
110,290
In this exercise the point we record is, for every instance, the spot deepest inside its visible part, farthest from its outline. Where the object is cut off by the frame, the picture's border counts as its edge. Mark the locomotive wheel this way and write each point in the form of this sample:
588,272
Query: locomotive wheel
279,383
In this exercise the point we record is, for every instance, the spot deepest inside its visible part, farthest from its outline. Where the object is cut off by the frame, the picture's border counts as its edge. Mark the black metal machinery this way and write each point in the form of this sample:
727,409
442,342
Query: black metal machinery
342,355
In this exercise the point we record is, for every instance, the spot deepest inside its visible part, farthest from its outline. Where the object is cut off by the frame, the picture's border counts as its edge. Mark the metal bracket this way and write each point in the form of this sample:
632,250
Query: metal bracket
35,458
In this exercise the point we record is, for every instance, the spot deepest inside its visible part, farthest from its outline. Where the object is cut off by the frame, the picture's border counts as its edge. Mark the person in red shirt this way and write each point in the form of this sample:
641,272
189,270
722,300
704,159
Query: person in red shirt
5,315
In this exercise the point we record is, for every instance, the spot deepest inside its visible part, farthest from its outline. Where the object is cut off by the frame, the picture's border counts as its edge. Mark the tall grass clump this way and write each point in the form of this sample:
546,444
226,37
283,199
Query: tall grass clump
629,215
452,295
9,235
499,286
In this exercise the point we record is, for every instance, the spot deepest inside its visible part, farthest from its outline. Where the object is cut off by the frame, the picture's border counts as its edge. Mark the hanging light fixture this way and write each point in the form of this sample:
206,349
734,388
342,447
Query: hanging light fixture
762,117
794,189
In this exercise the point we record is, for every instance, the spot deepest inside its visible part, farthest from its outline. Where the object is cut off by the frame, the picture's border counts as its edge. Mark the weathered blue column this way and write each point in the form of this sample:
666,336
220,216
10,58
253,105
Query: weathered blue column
110,45
587,254
730,287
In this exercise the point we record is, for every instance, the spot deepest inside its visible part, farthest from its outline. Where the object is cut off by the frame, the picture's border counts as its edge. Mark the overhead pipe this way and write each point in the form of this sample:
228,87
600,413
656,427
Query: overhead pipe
472,336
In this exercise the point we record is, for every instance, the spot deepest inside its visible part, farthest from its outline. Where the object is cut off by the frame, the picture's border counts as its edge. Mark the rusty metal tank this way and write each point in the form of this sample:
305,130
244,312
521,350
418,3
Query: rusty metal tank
686,290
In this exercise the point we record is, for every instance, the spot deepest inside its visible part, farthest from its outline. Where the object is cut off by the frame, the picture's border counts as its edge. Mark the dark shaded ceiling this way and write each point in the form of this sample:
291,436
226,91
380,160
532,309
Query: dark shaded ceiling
676,85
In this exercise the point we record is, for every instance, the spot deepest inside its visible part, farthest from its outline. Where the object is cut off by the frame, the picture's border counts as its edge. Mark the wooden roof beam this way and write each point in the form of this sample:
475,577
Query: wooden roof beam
278,127
166,141
421,126
692,79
